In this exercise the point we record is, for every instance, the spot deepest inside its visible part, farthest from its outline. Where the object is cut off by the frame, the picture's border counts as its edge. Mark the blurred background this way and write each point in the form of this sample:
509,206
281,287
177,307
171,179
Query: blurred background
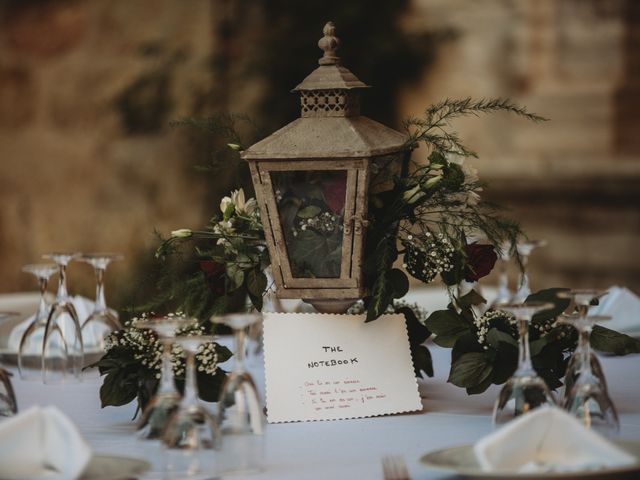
89,89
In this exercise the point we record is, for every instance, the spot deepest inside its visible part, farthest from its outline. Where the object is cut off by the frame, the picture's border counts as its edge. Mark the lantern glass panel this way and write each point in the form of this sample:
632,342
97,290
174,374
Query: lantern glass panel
311,206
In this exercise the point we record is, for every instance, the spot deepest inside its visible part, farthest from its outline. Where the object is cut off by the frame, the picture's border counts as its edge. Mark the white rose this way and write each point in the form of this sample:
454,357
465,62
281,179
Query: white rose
237,197
224,203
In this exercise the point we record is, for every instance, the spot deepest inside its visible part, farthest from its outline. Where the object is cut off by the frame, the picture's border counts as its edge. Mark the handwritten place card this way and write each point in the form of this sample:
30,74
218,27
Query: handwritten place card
329,367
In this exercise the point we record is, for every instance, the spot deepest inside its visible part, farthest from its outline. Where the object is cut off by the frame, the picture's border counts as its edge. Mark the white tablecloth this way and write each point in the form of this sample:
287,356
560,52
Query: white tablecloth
344,449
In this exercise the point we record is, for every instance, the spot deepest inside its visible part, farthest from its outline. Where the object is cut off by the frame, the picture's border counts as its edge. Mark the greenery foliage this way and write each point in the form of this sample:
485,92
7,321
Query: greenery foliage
485,350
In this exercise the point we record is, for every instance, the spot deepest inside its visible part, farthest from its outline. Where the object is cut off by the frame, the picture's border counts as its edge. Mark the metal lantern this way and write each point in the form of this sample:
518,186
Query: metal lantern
312,181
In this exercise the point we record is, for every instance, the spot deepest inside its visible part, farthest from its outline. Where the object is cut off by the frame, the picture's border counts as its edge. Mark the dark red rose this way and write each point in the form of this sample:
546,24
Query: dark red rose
334,192
480,261
214,275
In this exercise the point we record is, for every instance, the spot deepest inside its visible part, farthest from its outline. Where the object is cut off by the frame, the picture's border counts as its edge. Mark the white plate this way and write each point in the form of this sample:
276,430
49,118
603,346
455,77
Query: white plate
461,461
10,357
111,467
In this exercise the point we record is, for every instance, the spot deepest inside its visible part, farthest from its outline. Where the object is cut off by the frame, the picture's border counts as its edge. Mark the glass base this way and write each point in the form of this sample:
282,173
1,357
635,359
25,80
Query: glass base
157,414
573,372
591,404
519,396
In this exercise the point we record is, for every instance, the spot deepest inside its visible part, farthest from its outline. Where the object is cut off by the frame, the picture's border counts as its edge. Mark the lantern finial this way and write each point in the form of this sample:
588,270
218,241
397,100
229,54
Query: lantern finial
329,44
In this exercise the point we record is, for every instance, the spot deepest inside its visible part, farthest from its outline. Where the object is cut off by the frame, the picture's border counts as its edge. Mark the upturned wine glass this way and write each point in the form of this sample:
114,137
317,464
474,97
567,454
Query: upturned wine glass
240,416
102,320
8,403
62,347
504,292
525,390
581,299
156,415
30,348
588,399
192,433
524,250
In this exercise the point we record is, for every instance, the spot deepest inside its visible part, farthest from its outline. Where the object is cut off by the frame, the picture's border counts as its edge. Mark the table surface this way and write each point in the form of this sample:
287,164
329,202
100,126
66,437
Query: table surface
344,449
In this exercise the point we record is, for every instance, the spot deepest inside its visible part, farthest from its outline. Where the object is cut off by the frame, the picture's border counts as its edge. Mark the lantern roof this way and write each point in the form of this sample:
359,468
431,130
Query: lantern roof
330,125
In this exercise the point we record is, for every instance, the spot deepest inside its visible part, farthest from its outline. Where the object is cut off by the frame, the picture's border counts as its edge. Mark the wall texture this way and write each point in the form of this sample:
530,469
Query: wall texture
88,160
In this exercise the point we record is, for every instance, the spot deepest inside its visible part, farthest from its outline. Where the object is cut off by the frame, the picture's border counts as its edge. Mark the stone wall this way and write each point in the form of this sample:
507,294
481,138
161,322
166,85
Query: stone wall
88,160
572,180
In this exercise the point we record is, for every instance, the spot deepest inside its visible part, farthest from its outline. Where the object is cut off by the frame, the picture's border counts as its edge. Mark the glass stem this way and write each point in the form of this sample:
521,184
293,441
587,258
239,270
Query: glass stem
42,306
503,281
166,377
585,350
101,304
190,386
525,367
62,294
240,335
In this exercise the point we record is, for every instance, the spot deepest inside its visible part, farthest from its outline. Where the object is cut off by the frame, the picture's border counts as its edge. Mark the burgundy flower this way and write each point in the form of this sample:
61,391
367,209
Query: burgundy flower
480,261
214,275
334,193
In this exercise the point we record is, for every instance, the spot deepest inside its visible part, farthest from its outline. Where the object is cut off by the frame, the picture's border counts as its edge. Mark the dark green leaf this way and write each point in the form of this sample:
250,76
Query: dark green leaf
610,341
497,337
471,298
549,295
421,360
309,212
118,389
447,326
399,283
481,387
470,370
418,333
256,282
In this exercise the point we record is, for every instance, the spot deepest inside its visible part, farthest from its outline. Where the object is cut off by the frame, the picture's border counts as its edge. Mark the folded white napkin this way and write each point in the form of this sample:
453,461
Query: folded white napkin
41,443
84,308
623,306
547,439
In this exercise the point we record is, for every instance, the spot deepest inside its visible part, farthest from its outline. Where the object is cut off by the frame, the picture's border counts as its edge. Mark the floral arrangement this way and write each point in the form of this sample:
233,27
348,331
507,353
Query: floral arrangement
132,363
485,349
430,214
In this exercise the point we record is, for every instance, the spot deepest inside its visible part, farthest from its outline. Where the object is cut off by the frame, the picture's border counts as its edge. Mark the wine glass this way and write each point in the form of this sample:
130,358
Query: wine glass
581,299
62,347
8,403
504,292
192,432
240,416
525,390
103,320
524,250
157,413
588,399
30,346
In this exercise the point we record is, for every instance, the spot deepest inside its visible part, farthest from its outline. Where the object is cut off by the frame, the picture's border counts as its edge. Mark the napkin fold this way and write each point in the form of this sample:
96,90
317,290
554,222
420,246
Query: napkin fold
84,308
547,439
41,443
624,307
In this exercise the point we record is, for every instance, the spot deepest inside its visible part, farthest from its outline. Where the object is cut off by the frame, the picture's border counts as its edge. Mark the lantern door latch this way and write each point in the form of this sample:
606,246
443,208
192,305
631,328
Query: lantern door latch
357,222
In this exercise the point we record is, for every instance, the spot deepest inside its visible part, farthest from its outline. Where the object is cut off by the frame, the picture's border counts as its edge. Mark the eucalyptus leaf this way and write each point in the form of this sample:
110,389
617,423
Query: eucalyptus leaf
470,370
